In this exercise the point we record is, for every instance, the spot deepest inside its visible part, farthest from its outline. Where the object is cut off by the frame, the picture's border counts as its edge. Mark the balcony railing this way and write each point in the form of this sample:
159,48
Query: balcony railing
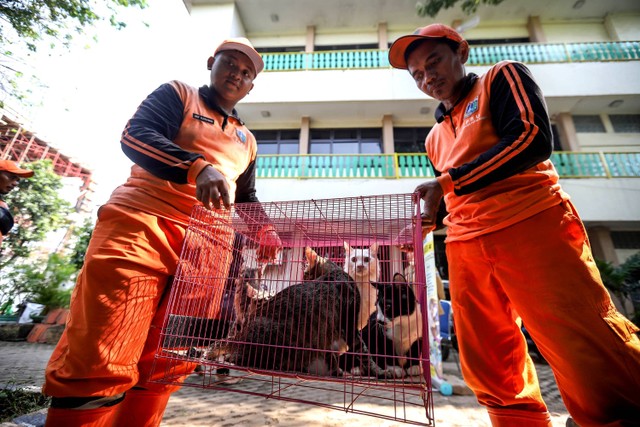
529,53
416,165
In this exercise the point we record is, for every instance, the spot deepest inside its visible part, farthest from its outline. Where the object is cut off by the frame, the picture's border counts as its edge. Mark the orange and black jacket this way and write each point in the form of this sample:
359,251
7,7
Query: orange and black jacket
176,132
490,153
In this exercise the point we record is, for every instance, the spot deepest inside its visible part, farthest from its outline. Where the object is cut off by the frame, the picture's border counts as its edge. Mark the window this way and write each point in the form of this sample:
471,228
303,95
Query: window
361,46
409,140
513,40
625,123
286,141
626,239
588,124
345,141
280,49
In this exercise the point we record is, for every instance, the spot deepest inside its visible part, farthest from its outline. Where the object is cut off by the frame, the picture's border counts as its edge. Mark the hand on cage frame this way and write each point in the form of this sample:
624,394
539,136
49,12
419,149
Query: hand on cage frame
404,240
269,244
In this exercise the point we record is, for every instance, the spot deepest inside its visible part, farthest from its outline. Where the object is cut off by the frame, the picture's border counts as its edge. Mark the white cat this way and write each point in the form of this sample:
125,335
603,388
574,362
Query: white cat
364,267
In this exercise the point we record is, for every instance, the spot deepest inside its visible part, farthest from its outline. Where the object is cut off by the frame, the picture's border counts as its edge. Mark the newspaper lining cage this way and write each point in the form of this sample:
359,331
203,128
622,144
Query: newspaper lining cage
339,320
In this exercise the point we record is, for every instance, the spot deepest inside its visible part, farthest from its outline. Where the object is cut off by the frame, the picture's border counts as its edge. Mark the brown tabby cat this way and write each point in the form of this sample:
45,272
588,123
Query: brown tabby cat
303,328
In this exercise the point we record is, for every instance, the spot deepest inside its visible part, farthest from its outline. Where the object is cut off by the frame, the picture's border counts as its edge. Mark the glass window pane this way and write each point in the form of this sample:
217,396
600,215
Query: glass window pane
345,134
265,135
345,148
370,148
407,147
588,124
288,134
320,134
267,148
289,148
319,148
625,123
371,133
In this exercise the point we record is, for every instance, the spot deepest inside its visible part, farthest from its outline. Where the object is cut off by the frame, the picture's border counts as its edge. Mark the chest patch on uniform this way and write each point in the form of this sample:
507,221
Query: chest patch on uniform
472,107
241,136
203,118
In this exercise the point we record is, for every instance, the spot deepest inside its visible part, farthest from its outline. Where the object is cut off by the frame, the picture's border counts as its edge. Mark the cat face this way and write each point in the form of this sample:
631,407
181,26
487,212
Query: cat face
362,264
395,299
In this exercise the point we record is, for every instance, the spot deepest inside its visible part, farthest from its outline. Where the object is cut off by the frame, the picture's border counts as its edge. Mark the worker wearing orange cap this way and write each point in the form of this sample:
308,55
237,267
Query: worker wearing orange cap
189,147
10,174
516,246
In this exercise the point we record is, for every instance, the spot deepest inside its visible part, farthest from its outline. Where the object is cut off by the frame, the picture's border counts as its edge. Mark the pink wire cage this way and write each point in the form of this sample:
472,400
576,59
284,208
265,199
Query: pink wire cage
287,334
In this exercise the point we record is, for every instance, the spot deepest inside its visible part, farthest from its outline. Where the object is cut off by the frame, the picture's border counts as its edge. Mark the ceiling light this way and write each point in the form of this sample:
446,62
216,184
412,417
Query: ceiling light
265,114
616,103
425,110
579,4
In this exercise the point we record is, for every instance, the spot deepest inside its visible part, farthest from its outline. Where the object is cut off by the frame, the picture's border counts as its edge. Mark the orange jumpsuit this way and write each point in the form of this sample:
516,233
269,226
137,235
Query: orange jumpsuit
516,247
121,295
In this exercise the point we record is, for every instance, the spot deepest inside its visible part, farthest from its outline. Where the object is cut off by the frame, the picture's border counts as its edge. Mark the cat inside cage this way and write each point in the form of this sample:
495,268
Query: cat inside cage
336,320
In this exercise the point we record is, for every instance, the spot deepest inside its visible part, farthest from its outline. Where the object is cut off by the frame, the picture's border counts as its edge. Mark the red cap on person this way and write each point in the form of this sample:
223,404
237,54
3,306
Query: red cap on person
243,45
434,31
11,166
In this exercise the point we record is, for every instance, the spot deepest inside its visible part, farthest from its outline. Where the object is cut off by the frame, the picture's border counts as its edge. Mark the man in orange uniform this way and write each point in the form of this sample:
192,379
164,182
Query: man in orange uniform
189,147
10,174
516,246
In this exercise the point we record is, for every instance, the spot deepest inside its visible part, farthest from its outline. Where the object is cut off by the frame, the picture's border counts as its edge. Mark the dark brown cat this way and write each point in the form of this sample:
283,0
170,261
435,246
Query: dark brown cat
304,327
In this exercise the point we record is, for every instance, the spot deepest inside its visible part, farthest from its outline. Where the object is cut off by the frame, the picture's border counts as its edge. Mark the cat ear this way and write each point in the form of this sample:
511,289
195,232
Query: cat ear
347,247
399,278
311,255
373,249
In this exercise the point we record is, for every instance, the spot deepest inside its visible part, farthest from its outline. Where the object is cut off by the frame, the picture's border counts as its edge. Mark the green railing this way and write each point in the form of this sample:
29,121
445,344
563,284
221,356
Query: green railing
416,165
530,53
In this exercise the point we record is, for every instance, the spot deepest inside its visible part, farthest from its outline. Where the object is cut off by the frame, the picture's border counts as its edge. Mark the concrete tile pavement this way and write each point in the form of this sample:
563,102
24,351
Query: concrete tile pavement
22,364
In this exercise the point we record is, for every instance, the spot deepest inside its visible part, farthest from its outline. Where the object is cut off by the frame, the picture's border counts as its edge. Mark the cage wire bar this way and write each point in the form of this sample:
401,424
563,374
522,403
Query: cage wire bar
284,331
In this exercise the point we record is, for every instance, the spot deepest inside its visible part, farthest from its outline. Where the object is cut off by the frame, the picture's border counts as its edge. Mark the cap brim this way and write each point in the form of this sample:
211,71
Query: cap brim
255,58
24,173
398,49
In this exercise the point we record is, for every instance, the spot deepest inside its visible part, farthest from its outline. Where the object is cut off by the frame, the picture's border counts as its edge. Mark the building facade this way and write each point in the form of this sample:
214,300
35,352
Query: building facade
333,119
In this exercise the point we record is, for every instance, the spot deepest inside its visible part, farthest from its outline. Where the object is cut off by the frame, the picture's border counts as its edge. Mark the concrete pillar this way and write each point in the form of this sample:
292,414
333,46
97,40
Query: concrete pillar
395,257
567,131
387,134
606,122
610,26
383,36
536,32
602,244
304,135
310,42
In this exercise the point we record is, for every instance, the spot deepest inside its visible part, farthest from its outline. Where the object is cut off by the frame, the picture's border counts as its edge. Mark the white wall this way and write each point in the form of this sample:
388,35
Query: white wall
612,142
597,200
390,84
568,31
623,27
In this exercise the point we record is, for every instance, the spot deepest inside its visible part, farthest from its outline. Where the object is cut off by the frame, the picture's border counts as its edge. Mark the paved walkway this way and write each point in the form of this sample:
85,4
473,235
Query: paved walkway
22,364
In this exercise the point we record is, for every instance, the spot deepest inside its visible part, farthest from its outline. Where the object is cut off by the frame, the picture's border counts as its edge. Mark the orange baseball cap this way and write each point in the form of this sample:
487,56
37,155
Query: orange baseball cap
434,31
11,166
243,45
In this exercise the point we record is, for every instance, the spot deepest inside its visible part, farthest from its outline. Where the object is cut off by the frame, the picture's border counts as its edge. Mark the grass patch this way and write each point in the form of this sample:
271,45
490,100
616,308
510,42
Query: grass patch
20,401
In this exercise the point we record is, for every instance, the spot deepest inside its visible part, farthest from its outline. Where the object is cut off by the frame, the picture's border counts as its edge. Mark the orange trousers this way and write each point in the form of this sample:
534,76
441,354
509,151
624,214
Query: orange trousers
117,311
542,270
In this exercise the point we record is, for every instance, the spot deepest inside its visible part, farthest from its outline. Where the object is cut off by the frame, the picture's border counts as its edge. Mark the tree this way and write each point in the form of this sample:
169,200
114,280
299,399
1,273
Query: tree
47,284
37,209
36,21
432,7
83,235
